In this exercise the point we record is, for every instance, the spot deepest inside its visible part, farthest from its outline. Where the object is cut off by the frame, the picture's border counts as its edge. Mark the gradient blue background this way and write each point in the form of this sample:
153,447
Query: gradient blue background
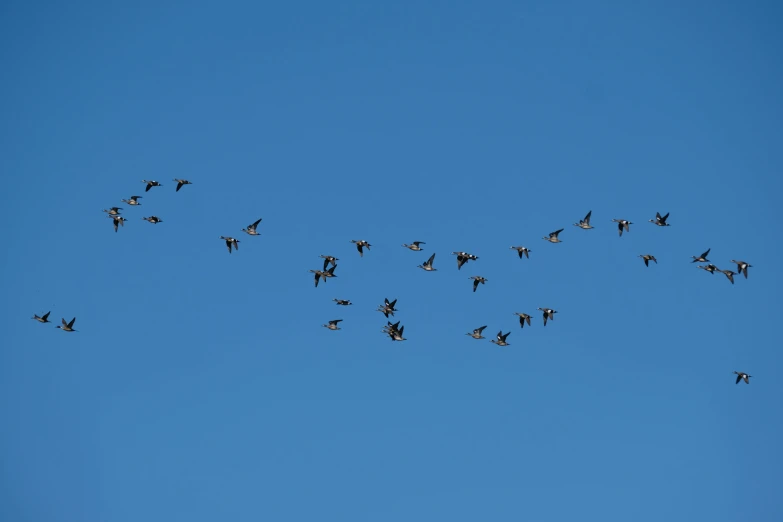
201,386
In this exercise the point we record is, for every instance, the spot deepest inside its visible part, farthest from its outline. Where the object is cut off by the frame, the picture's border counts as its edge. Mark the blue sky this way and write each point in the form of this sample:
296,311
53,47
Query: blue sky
200,386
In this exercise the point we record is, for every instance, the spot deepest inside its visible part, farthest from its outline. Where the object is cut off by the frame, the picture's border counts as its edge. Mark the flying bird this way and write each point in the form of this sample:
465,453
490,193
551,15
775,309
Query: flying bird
230,241
477,333
522,251
150,184
553,236
251,229
660,220
742,267
333,325
548,314
359,244
623,224
702,258
647,258
428,264
415,245
585,223
180,183
43,319
67,327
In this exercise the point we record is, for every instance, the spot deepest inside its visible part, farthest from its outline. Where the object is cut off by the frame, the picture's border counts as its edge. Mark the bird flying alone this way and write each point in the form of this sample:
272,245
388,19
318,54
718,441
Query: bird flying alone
501,339
522,251
332,324
522,318
66,327
428,264
150,184
742,376
742,267
43,319
153,219
585,223
548,314
553,236
660,220
477,280
181,183
647,258
702,258
463,257
477,333
623,224
251,229
360,244
230,241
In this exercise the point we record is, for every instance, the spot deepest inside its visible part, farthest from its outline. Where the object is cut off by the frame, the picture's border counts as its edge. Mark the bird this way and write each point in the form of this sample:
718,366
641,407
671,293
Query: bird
501,339
132,201
553,236
181,182
150,184
729,275
43,319
118,220
585,223
647,258
428,264
476,281
329,273
329,259
415,245
387,307
548,314
742,376
390,327
359,244
477,333
463,257
333,325
702,258
113,211
251,229
342,302
623,224
742,267
319,274
522,318
394,331
522,251
153,219
660,220
230,241
709,268
67,327
396,335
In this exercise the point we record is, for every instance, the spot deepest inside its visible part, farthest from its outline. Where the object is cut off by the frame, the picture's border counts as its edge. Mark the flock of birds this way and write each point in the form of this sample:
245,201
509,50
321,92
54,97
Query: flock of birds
395,331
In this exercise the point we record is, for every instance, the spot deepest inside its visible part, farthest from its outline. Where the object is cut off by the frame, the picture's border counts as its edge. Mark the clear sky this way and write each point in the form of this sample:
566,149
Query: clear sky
201,386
